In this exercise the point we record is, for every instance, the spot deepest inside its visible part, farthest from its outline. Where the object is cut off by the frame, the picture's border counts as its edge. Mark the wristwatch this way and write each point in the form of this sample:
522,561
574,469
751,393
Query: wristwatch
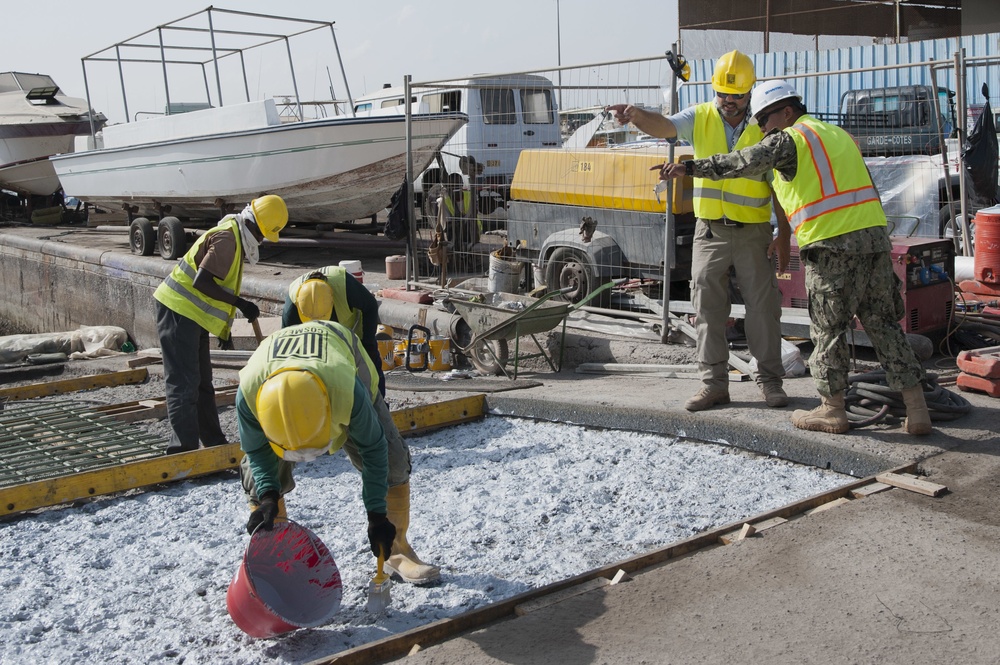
688,167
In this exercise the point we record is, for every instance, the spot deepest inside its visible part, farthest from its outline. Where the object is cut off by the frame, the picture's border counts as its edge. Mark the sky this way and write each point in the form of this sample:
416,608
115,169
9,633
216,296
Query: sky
380,42
502,505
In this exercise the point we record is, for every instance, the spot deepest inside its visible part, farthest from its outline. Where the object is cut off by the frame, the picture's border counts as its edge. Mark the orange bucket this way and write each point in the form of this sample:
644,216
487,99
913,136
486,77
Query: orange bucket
286,581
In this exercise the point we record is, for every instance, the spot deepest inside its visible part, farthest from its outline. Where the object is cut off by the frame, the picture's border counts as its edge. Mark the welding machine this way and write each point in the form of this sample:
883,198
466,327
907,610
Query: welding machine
925,266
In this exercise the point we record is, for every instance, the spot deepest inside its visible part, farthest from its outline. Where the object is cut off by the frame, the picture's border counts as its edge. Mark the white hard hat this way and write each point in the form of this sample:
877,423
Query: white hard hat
770,92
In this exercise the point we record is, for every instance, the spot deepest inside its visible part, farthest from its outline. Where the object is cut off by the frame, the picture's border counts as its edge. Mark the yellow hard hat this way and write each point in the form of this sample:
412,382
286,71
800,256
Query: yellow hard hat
734,74
293,409
314,300
271,214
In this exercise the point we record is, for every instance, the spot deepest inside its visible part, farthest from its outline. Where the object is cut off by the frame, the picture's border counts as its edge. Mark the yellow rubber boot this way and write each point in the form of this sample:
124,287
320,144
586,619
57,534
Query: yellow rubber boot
918,419
830,416
404,561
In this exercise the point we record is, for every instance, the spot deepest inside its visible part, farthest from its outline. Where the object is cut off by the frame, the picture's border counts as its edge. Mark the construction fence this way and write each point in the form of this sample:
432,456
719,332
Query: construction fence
542,187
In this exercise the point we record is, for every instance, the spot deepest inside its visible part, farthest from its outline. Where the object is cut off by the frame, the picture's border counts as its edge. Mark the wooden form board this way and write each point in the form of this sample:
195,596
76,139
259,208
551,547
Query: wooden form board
134,475
553,598
148,409
54,491
73,385
908,481
757,527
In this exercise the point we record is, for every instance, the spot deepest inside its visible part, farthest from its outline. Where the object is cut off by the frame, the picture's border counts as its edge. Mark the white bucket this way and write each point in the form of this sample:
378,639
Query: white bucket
354,267
504,276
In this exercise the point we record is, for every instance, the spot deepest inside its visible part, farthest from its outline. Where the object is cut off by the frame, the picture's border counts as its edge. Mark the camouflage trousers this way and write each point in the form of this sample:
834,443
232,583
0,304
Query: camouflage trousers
844,285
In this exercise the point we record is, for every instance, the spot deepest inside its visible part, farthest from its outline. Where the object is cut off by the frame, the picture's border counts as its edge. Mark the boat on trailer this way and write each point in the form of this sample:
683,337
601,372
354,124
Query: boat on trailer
198,164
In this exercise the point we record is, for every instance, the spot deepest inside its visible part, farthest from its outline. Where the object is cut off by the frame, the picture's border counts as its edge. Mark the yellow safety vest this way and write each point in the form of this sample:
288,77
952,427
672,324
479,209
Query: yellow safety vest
745,200
177,291
327,349
466,202
832,192
336,277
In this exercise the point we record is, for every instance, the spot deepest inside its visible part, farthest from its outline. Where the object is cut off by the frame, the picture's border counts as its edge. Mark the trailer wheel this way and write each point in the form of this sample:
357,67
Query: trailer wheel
487,362
172,240
141,237
570,268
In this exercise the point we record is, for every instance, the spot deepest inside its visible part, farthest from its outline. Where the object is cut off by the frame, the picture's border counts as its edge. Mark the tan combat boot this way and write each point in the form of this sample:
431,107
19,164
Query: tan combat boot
830,416
404,561
707,397
918,420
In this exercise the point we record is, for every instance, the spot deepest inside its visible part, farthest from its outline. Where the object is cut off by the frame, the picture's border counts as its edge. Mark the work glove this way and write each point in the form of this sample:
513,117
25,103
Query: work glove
249,310
226,344
265,513
381,533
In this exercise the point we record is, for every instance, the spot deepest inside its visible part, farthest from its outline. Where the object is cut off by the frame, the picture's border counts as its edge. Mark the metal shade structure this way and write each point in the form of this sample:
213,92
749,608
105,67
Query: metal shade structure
204,39
890,20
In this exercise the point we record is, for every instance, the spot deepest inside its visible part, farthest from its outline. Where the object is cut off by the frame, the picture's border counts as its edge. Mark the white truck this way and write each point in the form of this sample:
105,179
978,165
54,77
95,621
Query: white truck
507,114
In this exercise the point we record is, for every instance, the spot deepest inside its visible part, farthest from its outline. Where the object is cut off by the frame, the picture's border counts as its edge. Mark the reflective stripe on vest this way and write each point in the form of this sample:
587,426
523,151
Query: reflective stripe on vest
177,291
740,199
336,277
832,192
329,351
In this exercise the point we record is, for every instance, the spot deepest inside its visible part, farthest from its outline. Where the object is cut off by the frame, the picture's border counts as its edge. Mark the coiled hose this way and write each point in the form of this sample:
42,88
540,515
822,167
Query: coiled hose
870,400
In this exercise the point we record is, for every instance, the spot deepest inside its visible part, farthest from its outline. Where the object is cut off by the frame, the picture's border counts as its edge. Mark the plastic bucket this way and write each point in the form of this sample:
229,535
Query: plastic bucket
504,276
286,581
399,355
353,266
386,351
439,354
395,267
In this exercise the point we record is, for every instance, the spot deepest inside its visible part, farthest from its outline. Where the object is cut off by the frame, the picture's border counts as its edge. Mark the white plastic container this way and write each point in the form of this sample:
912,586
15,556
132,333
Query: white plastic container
353,266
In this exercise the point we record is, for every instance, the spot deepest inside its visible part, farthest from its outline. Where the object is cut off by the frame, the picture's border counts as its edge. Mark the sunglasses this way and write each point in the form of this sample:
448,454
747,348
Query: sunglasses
762,117
723,95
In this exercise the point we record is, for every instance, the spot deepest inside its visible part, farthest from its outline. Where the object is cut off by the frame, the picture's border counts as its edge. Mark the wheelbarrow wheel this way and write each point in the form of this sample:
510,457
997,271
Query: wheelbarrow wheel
489,363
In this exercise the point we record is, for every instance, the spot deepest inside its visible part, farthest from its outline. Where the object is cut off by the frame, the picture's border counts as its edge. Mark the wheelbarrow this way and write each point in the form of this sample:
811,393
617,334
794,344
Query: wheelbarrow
497,318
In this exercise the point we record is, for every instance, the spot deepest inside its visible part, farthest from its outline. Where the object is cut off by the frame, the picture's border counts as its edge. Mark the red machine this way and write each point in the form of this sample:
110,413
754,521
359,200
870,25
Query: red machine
925,266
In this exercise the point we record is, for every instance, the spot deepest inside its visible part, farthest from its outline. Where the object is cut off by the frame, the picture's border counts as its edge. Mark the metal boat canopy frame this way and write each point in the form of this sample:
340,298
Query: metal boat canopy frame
211,39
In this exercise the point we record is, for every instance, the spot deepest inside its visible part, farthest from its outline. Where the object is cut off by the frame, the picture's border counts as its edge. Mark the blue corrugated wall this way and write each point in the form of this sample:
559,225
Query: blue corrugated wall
823,93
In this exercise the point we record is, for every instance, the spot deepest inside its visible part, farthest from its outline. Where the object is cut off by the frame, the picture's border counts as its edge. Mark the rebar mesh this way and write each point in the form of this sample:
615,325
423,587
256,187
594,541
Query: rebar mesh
45,440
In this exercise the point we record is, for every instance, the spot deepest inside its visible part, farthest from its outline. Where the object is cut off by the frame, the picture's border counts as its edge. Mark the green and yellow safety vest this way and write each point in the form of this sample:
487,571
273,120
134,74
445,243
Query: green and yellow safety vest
745,200
832,192
177,291
327,349
336,277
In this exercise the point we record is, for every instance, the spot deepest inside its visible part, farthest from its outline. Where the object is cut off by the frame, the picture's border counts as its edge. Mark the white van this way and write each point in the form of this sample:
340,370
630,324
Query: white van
507,114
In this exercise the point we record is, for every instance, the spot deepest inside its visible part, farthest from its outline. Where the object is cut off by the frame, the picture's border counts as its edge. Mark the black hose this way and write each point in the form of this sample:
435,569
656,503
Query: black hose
870,400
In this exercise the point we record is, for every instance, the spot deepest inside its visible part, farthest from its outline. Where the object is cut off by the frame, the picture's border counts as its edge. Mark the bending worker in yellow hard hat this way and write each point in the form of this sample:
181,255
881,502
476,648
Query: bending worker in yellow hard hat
733,231
311,389
823,183
333,294
201,296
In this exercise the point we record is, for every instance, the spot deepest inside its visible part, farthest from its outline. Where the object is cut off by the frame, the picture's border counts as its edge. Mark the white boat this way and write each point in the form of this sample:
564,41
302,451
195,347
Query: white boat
37,120
200,163
327,171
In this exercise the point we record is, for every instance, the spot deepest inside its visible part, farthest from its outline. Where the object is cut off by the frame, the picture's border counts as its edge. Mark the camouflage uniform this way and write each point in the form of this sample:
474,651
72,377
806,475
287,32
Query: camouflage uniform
846,275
